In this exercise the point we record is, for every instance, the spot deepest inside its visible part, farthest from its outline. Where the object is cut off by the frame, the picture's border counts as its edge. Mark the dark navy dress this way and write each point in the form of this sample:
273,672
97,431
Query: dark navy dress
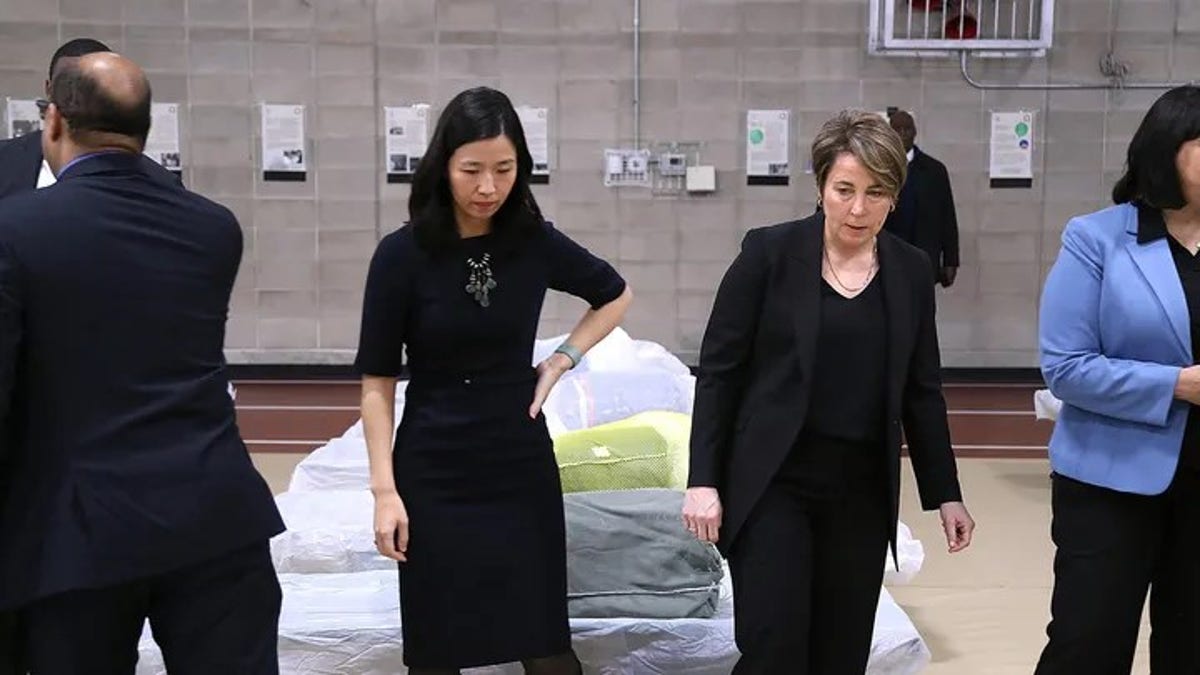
485,580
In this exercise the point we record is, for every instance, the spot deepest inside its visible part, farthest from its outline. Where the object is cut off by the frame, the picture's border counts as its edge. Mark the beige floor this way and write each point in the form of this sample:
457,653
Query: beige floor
982,611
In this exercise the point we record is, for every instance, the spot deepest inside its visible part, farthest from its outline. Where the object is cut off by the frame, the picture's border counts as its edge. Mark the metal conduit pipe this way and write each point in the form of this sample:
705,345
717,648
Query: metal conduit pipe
1062,85
637,74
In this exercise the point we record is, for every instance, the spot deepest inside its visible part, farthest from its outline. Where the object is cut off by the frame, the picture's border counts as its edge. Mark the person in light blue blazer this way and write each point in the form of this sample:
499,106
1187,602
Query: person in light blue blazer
1120,339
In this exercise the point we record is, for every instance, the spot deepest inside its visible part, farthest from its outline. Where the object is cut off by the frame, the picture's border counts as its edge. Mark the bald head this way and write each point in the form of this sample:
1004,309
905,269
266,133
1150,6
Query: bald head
904,124
103,98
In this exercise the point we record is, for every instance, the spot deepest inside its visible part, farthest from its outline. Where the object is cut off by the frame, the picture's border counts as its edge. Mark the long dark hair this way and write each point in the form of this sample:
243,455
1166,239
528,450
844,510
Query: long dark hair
1151,176
473,115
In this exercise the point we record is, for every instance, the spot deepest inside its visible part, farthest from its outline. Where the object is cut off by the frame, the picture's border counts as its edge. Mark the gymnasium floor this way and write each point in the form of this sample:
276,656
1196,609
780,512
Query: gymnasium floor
982,612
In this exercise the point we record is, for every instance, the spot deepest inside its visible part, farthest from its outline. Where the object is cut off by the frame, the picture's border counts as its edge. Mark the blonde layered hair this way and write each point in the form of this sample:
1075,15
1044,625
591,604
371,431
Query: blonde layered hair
870,139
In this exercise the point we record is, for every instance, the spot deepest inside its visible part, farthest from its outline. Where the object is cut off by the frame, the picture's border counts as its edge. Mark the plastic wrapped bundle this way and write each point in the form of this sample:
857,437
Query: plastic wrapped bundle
628,555
627,552
342,624
588,399
340,464
649,450
327,532
618,352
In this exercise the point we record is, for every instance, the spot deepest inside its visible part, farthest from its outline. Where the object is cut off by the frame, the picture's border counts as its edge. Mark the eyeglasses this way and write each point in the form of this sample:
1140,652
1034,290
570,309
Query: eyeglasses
42,105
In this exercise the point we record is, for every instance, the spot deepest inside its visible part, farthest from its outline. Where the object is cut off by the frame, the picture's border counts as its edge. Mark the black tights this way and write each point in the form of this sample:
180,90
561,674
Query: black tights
560,664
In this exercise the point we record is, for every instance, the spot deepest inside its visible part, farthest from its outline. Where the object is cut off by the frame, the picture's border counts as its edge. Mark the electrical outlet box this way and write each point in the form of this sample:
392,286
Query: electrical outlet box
702,178
672,164
626,168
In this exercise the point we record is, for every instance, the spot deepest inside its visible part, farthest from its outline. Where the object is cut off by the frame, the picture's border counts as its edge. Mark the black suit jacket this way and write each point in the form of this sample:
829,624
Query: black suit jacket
925,216
20,164
756,364
127,461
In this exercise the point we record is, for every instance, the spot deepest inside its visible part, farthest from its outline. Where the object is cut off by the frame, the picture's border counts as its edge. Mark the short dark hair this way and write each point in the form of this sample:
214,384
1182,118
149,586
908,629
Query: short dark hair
1151,176
73,49
89,109
473,115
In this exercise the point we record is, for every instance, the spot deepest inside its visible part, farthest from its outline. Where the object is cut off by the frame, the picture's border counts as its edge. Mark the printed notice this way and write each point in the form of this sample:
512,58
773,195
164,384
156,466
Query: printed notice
162,145
407,134
767,147
283,142
23,117
535,123
1011,160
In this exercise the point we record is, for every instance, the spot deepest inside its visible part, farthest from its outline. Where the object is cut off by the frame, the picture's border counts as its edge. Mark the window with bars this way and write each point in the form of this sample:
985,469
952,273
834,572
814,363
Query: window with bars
917,27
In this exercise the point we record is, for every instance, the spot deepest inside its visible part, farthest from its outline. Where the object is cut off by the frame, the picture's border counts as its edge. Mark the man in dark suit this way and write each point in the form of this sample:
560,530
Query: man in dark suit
22,167
132,494
924,215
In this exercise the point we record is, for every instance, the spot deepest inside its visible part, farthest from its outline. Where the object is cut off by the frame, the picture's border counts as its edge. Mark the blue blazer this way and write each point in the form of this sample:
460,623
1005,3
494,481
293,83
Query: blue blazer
1114,333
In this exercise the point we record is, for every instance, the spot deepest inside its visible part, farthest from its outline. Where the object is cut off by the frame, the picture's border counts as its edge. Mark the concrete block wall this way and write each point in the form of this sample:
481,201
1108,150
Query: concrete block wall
704,62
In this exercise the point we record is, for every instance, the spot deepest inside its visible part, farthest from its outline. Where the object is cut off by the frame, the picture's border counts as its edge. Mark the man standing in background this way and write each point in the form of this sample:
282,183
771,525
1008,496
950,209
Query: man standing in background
924,215
21,165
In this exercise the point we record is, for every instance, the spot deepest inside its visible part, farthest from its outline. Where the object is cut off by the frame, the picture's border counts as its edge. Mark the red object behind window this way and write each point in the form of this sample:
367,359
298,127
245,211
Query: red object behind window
962,27
927,5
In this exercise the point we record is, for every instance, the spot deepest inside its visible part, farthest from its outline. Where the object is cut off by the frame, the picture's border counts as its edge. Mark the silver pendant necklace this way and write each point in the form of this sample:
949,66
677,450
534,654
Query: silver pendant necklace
479,280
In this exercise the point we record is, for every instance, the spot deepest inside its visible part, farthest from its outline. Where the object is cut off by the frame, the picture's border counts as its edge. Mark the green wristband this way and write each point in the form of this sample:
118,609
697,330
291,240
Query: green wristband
570,352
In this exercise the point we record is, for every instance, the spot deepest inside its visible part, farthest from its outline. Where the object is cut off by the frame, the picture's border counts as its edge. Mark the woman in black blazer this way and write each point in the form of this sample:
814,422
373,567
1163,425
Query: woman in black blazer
821,341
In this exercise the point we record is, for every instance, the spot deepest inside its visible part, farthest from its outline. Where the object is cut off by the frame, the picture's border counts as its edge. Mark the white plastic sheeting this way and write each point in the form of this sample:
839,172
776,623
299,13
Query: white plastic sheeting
911,554
618,353
589,399
349,624
1045,405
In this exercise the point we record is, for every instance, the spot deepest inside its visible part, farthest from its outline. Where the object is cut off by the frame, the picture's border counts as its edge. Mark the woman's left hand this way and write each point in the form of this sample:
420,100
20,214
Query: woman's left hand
957,524
548,372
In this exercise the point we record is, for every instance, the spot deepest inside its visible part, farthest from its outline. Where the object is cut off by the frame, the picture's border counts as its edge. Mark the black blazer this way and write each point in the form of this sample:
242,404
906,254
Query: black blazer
20,164
126,456
931,223
756,362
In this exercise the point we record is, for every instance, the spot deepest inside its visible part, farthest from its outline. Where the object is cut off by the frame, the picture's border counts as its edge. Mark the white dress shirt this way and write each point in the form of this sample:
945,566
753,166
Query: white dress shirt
46,176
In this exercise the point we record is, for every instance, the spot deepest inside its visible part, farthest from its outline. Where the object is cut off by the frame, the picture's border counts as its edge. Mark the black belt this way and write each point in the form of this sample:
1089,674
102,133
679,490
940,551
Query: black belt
485,378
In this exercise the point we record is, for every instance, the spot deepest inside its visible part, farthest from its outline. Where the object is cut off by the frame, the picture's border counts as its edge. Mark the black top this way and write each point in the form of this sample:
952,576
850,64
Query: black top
1151,227
416,304
850,367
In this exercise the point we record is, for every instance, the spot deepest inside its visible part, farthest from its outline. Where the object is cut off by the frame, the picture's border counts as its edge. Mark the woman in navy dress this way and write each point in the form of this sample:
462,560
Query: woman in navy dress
467,498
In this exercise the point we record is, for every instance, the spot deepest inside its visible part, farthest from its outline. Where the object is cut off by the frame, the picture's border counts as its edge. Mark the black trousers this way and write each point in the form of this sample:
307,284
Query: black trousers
220,617
808,566
10,657
1112,547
